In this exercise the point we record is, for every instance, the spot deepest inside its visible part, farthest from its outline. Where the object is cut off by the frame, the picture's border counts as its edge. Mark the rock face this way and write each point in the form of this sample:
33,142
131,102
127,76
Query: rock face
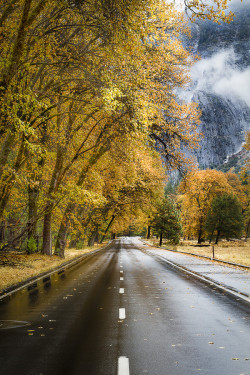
221,85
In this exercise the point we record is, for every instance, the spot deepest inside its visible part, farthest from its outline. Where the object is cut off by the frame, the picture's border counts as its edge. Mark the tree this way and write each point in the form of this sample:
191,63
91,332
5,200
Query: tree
166,221
245,179
225,219
75,77
198,190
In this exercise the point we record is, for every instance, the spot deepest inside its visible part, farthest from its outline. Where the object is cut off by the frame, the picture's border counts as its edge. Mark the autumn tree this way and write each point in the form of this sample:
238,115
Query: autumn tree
198,189
225,219
75,77
245,180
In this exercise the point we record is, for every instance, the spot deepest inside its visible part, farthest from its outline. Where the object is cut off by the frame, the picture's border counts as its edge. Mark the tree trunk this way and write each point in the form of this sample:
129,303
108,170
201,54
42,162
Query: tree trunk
2,230
47,242
5,151
217,237
106,230
247,229
32,219
8,181
94,237
148,234
62,233
54,185
161,239
200,236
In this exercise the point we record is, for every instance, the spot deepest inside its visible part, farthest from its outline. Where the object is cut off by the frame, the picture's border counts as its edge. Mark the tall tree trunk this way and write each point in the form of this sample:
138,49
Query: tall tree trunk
148,234
2,230
5,151
54,185
200,236
33,192
27,18
93,237
32,219
106,230
160,239
47,240
9,181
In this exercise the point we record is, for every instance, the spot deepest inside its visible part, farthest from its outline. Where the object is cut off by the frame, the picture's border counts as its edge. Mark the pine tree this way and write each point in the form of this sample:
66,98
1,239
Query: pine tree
225,219
166,222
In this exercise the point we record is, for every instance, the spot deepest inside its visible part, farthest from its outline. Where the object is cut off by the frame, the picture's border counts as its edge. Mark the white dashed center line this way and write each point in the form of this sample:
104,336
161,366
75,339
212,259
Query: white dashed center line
123,366
121,290
121,278
122,313
121,271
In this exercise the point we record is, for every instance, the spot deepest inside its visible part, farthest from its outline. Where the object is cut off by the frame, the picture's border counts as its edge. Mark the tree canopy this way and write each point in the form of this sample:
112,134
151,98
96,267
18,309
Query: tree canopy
225,219
78,81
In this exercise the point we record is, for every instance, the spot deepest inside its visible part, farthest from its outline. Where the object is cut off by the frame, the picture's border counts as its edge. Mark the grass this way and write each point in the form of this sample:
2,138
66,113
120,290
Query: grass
17,267
230,251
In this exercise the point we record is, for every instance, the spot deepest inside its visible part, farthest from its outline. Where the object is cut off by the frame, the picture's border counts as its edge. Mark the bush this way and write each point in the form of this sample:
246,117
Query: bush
31,246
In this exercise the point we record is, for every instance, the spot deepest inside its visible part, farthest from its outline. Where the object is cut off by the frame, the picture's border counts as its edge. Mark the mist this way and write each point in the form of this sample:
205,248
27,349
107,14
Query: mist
220,74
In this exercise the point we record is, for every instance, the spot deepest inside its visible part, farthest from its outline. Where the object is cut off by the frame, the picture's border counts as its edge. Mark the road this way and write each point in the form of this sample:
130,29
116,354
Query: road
122,311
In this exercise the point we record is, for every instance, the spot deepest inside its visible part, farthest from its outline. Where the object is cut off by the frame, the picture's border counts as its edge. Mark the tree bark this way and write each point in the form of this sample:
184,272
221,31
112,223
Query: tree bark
32,219
47,242
148,234
93,237
200,236
217,237
54,185
5,151
8,181
161,239
106,230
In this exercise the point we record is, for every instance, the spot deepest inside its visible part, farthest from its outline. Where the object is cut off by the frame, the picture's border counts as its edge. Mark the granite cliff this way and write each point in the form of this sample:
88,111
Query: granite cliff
221,85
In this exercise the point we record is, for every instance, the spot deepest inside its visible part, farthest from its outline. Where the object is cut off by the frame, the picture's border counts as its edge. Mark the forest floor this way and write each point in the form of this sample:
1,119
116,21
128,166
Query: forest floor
16,267
230,251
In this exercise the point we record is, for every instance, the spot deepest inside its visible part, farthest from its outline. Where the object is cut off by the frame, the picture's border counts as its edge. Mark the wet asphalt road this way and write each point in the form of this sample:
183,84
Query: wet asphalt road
173,324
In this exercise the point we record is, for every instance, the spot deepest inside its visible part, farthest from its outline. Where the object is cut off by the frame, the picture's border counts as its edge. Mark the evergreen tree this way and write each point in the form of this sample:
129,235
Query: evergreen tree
225,219
166,221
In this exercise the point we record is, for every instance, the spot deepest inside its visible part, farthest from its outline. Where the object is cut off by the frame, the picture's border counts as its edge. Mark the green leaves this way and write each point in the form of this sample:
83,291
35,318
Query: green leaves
225,219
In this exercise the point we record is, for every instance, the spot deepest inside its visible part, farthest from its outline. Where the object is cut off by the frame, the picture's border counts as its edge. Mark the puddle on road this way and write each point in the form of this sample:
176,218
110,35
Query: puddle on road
10,324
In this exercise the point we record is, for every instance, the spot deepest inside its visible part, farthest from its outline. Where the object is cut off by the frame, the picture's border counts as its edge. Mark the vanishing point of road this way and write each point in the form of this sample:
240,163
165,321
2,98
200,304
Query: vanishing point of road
122,311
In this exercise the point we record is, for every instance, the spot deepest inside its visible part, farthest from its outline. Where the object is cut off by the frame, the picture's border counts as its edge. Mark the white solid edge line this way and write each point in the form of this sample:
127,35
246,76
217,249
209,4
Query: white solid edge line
123,366
122,313
121,290
208,281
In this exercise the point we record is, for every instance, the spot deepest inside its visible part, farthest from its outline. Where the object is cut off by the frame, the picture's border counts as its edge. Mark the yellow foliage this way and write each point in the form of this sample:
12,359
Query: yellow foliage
198,189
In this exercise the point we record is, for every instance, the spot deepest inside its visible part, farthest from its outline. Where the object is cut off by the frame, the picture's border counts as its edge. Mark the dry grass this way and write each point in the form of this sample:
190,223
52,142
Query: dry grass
16,267
230,251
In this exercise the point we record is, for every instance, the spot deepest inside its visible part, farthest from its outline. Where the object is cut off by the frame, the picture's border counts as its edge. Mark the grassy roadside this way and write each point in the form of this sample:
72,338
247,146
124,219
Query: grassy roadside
17,267
230,251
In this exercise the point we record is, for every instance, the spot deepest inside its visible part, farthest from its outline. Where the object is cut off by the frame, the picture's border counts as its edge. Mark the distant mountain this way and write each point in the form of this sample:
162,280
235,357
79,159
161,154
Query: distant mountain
221,85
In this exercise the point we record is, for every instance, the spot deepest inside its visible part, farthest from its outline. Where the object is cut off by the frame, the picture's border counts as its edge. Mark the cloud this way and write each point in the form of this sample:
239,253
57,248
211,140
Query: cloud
221,75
